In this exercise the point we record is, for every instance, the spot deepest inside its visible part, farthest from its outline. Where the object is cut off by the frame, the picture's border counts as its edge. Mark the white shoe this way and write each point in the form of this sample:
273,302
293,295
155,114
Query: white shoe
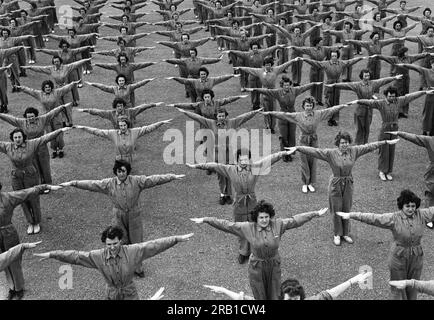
30,229
382,176
36,229
348,239
430,225
80,85
304,189
311,188
337,240
389,177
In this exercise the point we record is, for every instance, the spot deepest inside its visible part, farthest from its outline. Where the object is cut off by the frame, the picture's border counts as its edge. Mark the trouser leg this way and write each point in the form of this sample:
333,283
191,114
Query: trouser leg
14,273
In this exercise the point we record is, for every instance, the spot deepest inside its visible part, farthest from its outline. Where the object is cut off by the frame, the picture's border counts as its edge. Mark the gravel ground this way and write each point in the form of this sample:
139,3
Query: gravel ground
73,219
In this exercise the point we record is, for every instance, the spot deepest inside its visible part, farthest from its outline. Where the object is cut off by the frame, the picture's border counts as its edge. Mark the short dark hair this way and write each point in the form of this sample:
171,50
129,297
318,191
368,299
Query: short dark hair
285,79
391,89
72,29
262,206
120,39
405,197
401,51
11,135
337,52
205,70
62,42
282,18
56,57
349,23
308,100
122,55
327,17
316,41
293,288
112,233
193,49
251,45
127,9
343,135
47,82
25,11
120,76
363,71
396,23
222,110
4,29
208,91
268,60
31,110
372,35
121,163
426,9
124,119
123,27
243,152
124,15
116,101
185,34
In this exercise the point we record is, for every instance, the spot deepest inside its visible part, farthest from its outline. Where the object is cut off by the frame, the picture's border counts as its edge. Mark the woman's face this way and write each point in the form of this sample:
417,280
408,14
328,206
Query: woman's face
18,138
308,106
47,88
263,219
121,81
56,62
243,160
288,297
120,107
123,126
409,209
343,145
113,245
203,75
64,47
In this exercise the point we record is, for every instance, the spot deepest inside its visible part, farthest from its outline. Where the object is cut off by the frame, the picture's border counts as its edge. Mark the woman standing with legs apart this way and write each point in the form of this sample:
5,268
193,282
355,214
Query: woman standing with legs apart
341,160
407,226
264,235
116,262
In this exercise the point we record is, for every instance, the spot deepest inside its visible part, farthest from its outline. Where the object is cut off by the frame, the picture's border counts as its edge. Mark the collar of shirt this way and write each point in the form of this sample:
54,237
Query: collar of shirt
23,145
404,216
246,168
126,133
203,81
344,153
221,124
124,87
108,256
309,113
127,181
259,228
331,62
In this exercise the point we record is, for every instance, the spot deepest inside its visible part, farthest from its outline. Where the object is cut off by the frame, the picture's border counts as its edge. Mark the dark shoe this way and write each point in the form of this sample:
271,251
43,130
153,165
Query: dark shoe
54,155
75,104
273,131
222,200
61,154
140,274
14,89
228,200
330,123
402,115
5,109
242,259
19,294
23,74
288,158
346,80
208,172
285,159
11,294
187,95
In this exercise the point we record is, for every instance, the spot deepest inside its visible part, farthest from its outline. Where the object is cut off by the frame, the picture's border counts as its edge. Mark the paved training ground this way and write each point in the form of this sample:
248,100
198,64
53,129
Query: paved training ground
74,219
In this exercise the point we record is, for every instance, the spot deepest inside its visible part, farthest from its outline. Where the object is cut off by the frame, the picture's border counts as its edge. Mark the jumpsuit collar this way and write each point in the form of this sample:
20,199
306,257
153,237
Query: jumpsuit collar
108,256
127,133
119,182
248,168
23,145
267,228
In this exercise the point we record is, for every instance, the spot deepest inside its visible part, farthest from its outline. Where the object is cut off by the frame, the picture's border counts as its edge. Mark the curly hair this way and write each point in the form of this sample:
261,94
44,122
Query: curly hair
205,70
343,135
122,55
56,57
120,76
124,119
309,100
121,163
262,206
406,196
396,23
363,71
63,42
391,89
116,101
11,135
112,233
268,60
47,82
208,91
293,288
243,152
31,110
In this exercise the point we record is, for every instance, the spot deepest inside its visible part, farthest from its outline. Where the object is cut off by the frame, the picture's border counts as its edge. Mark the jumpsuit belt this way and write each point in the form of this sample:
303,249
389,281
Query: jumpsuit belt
254,260
308,138
119,293
415,249
245,198
20,173
344,180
